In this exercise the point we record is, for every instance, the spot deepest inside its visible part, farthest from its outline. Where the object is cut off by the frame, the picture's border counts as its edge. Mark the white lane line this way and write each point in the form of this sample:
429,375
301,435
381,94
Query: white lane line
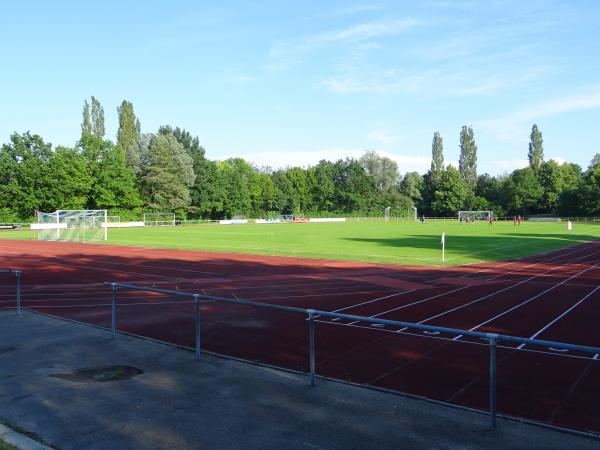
374,300
596,356
476,300
441,337
413,303
541,330
531,298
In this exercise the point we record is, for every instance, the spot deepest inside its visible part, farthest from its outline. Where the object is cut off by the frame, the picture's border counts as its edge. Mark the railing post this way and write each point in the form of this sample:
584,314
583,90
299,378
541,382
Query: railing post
114,310
197,331
18,274
311,346
492,345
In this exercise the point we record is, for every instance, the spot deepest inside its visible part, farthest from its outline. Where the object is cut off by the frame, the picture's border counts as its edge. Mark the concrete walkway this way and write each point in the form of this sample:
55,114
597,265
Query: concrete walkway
179,403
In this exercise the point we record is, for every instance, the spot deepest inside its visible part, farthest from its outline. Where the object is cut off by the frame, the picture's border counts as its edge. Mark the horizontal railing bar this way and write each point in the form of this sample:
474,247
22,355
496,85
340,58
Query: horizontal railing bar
215,298
9,271
376,320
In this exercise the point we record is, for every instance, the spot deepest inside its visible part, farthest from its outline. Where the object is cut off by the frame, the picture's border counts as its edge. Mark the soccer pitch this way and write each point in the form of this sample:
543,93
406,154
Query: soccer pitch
411,243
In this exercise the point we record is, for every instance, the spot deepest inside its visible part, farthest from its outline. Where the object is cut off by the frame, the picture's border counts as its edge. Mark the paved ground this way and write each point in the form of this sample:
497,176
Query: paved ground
178,403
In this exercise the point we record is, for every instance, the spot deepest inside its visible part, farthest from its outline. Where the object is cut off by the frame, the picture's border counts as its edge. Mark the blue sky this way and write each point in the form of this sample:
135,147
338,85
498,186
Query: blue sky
288,83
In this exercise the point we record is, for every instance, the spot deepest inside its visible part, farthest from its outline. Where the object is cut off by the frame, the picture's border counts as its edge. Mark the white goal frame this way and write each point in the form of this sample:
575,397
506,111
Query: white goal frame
72,225
159,219
475,215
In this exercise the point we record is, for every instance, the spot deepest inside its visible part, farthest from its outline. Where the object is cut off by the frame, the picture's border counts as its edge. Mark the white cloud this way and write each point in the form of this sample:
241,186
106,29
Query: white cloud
383,137
559,159
514,126
367,30
287,54
305,158
502,165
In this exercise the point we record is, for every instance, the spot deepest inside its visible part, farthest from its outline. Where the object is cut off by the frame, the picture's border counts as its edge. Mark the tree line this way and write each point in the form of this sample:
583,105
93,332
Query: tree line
168,171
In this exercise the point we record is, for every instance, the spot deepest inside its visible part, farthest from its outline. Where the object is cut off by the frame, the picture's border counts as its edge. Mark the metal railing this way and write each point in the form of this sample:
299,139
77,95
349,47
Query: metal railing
312,314
18,274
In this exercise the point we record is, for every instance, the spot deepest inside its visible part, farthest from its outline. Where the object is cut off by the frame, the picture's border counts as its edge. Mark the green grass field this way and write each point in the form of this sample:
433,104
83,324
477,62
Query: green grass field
392,242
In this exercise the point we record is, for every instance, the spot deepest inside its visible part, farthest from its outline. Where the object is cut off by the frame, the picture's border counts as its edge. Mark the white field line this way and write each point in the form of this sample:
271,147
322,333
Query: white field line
476,300
530,299
541,330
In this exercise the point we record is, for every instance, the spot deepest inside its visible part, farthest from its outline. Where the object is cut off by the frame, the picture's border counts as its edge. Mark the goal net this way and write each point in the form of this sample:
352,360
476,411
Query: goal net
86,225
474,215
159,219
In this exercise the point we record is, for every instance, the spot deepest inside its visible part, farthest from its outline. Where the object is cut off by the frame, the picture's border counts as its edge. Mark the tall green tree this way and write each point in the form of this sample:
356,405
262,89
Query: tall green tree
523,192
451,193
437,157
167,174
595,160
112,184
412,185
128,136
382,170
536,148
467,163
86,124
97,118
25,175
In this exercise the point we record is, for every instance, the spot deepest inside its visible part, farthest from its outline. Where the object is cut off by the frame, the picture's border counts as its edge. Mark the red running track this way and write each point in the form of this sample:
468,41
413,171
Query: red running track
553,296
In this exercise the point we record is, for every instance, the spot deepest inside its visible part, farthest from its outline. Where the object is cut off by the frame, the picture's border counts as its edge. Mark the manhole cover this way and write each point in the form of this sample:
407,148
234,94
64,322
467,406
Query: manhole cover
100,374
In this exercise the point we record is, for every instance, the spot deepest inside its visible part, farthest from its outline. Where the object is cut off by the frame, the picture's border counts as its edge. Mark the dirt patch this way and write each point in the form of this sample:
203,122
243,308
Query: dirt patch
100,374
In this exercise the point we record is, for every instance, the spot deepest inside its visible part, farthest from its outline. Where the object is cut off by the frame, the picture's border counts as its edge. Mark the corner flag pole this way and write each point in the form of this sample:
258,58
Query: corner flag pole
443,246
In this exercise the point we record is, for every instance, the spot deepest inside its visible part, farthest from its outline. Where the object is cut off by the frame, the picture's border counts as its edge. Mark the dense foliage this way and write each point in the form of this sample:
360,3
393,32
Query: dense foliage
169,171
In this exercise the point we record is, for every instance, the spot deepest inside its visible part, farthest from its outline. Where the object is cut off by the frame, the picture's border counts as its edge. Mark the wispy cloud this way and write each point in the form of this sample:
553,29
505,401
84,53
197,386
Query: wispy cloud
383,137
286,54
513,126
430,82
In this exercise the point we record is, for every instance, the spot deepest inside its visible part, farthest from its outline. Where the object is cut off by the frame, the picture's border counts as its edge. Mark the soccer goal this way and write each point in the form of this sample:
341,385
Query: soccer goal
87,225
474,215
159,219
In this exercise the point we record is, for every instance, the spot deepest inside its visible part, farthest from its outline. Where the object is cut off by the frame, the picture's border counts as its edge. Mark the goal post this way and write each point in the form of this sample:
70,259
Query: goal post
159,219
475,215
85,225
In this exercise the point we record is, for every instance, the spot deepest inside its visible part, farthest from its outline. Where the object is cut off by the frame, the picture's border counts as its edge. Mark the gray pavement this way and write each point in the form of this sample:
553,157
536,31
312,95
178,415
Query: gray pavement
179,403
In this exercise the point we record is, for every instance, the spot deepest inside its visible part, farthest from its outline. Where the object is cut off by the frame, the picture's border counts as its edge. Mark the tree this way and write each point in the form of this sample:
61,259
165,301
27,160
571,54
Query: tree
536,148
72,180
128,136
97,118
86,124
167,174
321,186
437,157
112,184
451,193
595,160
382,170
25,175
412,185
523,192
467,163
589,194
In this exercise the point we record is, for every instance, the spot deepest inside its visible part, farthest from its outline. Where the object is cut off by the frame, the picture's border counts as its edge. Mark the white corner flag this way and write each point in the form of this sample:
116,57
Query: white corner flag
443,246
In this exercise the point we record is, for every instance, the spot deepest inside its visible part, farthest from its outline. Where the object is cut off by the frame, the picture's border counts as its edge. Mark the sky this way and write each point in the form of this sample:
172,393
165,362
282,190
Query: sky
285,83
